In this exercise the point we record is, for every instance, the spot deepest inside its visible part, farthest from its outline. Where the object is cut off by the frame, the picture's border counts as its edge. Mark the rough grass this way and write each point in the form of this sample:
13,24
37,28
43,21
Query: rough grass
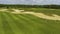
27,24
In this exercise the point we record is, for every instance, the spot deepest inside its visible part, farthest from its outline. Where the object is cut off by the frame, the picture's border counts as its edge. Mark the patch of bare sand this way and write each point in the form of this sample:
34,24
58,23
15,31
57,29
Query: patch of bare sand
40,15
16,11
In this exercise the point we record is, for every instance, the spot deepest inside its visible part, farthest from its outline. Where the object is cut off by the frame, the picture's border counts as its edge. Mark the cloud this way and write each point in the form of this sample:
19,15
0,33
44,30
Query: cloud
30,1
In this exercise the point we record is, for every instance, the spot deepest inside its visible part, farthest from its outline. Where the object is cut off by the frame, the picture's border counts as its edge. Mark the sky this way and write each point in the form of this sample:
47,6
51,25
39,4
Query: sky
38,2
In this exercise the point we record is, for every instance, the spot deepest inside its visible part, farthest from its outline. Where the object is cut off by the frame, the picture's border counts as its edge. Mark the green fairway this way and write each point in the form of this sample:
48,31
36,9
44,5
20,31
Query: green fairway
27,24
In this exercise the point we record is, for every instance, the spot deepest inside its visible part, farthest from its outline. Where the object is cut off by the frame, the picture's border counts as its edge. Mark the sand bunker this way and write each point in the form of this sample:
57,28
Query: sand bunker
16,11
40,15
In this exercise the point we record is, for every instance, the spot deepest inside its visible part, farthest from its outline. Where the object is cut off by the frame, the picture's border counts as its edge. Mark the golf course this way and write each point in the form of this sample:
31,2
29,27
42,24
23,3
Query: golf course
30,21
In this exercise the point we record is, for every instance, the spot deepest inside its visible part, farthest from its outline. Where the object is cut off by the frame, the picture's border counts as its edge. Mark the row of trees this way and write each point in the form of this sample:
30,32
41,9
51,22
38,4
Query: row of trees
30,6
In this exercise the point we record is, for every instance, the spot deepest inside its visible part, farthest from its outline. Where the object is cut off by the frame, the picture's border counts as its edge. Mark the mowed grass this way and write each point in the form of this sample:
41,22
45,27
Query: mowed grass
27,24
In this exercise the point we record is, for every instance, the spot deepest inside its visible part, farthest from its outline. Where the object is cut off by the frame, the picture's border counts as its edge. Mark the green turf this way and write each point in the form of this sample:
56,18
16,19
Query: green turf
27,24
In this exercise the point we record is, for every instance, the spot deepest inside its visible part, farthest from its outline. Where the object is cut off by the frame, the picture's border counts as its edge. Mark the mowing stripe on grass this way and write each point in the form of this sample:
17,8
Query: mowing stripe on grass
1,25
21,24
35,26
22,20
31,31
6,27
45,27
13,25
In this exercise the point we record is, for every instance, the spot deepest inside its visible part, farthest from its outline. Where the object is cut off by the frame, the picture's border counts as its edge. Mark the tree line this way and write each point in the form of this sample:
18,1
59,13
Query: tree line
30,6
